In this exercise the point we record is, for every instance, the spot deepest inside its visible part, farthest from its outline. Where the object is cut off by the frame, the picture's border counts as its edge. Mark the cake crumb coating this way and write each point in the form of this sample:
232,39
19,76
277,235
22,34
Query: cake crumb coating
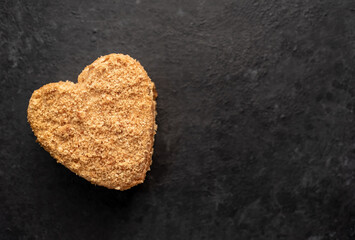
101,128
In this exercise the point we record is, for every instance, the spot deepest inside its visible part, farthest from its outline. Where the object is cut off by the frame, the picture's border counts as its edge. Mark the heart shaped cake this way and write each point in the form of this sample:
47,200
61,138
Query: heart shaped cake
101,128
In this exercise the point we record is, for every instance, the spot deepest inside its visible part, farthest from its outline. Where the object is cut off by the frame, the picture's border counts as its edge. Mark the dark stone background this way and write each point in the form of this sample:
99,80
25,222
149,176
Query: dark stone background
256,104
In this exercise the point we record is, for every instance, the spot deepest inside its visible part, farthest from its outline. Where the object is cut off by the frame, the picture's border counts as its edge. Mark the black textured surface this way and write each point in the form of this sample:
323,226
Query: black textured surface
256,135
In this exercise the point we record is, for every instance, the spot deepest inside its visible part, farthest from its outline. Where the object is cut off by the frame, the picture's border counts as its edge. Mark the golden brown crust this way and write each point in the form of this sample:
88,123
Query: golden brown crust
103,127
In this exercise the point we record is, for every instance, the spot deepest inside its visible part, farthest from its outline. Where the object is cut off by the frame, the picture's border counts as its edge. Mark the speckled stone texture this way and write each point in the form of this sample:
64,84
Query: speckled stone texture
256,104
